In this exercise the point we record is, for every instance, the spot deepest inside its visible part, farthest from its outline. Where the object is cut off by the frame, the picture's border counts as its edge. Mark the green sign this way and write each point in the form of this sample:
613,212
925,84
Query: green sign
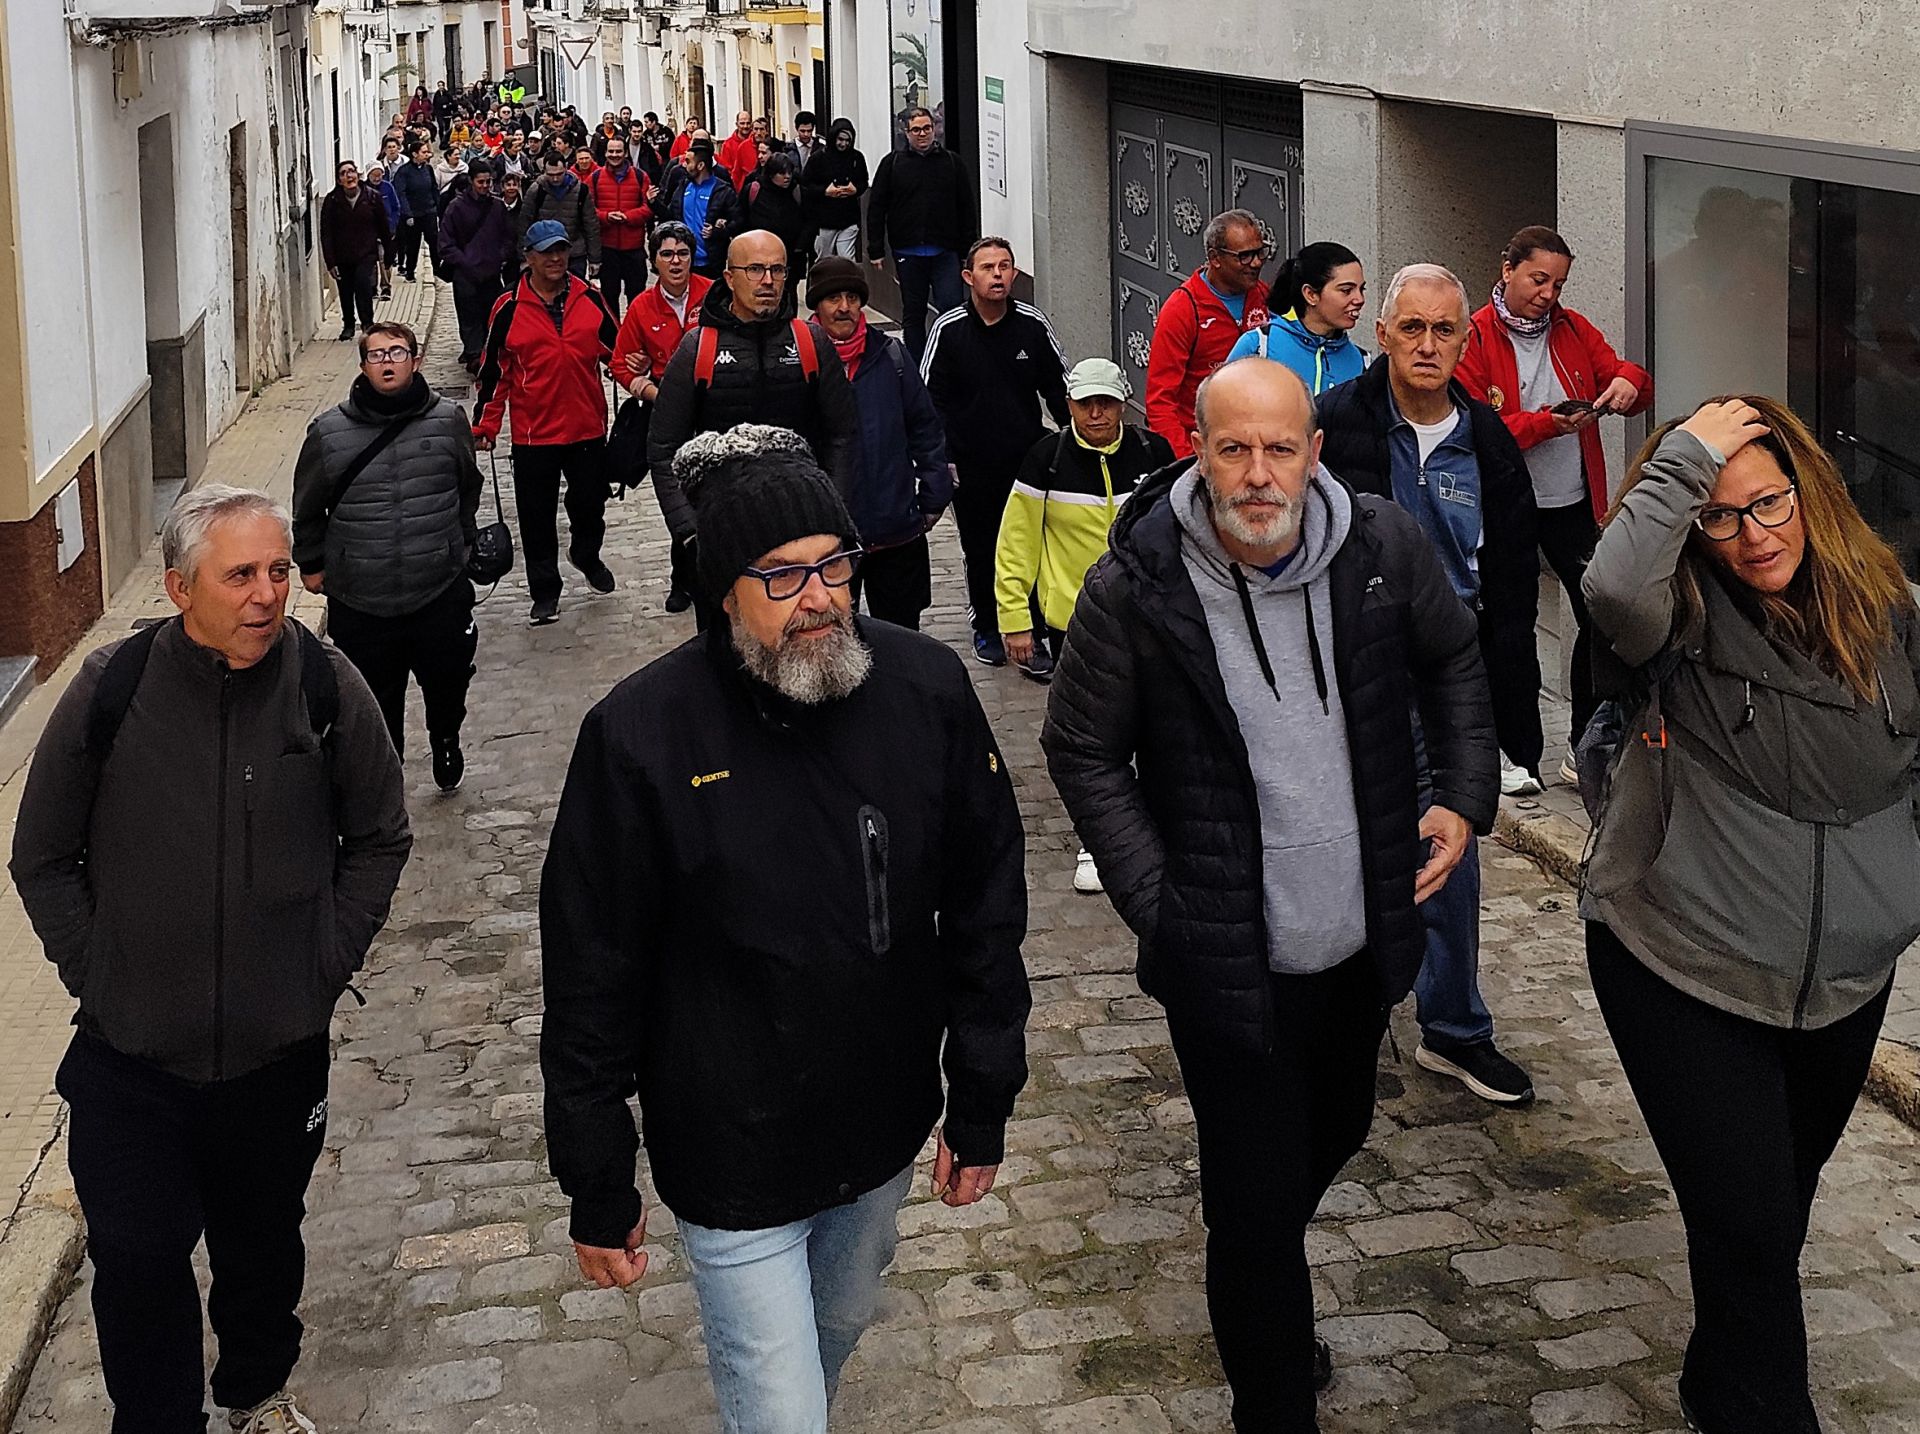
996,90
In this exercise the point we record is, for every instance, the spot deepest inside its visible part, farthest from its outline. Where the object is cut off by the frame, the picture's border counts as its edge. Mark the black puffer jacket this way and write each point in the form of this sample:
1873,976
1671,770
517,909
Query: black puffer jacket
1355,417
402,532
757,378
1149,759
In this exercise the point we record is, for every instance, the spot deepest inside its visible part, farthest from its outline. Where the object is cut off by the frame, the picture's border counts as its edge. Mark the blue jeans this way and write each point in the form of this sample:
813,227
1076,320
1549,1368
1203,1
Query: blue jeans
921,275
783,1308
1446,994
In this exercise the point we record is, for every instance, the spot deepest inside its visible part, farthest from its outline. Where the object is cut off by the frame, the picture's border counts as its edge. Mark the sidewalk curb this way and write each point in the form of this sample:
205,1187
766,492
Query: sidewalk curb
40,1249
1555,845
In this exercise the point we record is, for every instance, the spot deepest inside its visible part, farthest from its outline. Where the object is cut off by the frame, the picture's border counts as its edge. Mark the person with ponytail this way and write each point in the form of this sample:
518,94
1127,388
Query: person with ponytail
1315,303
1551,375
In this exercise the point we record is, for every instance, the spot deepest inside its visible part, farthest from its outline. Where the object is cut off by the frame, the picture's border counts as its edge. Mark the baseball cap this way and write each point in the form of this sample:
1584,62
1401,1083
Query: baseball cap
1095,376
545,234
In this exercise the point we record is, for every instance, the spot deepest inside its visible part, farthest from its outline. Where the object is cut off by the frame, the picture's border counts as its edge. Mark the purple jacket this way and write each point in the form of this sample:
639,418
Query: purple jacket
476,236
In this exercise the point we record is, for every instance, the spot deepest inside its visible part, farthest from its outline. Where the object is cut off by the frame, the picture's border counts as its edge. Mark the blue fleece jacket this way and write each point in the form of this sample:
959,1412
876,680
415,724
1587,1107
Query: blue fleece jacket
1321,361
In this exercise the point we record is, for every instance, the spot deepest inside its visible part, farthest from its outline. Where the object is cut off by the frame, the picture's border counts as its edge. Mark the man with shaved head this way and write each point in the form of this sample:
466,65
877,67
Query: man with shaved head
1406,430
1230,730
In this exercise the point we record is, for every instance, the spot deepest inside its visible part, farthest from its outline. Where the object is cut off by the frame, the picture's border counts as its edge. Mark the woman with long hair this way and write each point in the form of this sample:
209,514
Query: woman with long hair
1315,302
1755,870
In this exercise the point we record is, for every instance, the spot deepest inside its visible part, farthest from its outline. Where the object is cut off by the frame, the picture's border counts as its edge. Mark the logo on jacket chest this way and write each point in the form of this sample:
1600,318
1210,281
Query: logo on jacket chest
1496,397
724,356
707,779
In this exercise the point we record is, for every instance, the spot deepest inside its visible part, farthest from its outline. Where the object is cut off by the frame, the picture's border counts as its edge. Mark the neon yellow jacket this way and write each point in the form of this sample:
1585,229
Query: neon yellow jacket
1064,500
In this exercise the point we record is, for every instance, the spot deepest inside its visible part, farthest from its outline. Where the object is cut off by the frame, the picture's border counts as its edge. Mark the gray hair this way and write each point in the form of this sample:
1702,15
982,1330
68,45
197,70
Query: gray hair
183,536
1200,393
1423,274
1218,226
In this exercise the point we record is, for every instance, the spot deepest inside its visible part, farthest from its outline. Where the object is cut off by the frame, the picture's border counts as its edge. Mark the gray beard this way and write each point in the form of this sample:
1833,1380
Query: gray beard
810,672
1229,519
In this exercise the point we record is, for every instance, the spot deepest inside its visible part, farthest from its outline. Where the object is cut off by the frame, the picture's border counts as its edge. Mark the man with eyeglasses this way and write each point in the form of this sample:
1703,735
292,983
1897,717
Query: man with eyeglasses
751,360
1202,320
785,890
1408,430
923,204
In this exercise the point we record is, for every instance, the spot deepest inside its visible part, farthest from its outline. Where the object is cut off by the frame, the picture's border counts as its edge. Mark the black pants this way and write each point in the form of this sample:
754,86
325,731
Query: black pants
1744,1116
715,264
412,231
358,280
898,583
622,271
923,277
436,644
537,470
1567,538
473,301
685,573
157,1163
1274,1131
978,504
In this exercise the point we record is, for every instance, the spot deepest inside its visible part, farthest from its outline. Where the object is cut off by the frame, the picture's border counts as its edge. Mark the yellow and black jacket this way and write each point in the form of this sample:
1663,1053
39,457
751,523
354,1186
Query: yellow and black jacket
1064,500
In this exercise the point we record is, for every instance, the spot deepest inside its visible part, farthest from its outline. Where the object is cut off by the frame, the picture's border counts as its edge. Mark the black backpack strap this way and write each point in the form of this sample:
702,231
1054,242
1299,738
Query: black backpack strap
319,684
114,693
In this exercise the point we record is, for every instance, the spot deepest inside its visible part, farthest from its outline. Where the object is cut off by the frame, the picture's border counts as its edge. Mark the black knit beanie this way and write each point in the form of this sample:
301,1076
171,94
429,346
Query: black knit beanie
754,488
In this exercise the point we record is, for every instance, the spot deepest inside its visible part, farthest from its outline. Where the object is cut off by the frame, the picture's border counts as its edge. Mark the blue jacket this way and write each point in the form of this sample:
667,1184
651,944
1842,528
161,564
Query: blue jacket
1320,361
390,197
419,190
902,477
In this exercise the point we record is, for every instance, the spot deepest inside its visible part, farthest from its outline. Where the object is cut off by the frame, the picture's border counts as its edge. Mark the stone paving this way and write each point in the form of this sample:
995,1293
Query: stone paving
1483,1271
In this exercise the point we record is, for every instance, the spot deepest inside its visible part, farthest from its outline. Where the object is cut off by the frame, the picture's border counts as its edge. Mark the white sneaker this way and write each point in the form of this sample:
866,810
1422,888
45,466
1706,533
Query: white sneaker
279,1415
1086,876
1518,782
1569,773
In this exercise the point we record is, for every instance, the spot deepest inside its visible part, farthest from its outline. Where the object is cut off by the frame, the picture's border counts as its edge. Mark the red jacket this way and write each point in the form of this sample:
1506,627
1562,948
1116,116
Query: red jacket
1585,363
1191,339
549,374
624,194
739,156
651,330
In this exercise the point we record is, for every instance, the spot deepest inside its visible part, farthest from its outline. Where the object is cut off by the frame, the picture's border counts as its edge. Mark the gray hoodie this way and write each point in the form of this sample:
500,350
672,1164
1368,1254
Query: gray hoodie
1284,696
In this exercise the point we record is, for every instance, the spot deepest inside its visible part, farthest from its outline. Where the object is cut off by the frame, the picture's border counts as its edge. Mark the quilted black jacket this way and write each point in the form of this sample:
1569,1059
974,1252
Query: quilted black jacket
1148,756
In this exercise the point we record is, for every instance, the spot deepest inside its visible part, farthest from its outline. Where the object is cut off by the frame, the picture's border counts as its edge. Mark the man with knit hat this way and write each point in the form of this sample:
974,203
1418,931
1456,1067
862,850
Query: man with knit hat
902,483
785,889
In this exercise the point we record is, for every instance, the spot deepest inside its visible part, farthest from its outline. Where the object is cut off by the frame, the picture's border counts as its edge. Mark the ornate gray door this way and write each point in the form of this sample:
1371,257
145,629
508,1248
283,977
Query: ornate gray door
1183,149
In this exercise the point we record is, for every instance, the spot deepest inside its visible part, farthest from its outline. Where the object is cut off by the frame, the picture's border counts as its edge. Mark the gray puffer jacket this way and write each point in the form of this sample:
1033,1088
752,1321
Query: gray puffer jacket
1765,859
402,532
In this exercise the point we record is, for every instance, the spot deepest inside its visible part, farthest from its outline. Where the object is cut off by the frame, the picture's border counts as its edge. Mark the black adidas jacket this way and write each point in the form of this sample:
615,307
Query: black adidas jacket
779,924
989,380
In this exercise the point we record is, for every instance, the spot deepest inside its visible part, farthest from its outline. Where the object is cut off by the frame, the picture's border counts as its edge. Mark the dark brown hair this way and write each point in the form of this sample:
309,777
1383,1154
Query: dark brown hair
397,329
1534,236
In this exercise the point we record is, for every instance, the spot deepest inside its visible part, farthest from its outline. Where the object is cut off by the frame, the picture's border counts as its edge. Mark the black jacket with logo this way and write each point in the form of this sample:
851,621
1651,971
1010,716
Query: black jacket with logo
757,378
778,924
989,380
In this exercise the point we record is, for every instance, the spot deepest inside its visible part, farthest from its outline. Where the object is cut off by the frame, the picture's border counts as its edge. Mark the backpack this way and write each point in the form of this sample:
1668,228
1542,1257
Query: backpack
1598,750
114,694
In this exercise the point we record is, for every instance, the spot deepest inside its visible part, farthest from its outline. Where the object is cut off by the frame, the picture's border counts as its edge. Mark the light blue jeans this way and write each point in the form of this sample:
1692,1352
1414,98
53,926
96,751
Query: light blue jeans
783,1308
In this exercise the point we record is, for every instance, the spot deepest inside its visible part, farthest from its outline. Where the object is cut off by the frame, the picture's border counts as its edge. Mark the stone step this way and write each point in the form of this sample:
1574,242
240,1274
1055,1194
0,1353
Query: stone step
16,681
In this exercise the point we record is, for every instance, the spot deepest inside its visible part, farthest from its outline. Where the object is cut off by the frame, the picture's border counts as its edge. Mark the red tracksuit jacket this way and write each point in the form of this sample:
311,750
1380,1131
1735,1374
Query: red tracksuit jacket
549,374
1191,339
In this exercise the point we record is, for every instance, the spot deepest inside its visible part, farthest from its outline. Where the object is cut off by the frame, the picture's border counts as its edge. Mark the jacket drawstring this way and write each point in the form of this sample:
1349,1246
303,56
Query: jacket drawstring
1260,643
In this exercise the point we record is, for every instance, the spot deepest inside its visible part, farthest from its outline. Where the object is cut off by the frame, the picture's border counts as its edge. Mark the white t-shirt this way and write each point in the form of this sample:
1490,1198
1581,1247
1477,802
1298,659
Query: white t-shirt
1431,435
1554,466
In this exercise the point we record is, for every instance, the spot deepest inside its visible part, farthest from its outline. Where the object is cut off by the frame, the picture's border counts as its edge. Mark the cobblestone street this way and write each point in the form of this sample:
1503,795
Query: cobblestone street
1477,1270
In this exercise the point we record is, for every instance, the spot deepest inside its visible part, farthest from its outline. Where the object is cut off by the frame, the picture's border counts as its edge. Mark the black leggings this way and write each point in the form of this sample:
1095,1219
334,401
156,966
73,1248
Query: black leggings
1744,1116
1567,536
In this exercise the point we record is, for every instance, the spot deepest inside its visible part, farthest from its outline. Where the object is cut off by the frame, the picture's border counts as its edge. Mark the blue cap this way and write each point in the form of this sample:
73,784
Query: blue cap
544,234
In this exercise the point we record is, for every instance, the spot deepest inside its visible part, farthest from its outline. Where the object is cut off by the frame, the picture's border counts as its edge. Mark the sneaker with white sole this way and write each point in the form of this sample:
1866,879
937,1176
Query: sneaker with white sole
1518,782
279,1415
1086,876
1481,1069
1569,773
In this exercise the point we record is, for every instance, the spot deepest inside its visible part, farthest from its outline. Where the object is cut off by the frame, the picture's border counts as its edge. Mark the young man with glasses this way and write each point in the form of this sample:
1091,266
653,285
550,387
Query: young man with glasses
1202,320
785,891
755,370
923,204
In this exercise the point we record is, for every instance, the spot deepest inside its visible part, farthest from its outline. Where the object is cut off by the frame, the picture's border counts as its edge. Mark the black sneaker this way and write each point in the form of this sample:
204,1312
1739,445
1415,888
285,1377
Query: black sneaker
597,574
989,650
1040,665
449,763
346,334
1481,1069
678,601
543,611
1322,1364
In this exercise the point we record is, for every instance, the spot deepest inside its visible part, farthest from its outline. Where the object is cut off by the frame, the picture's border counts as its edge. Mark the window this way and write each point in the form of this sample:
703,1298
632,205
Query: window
1791,270
767,106
746,87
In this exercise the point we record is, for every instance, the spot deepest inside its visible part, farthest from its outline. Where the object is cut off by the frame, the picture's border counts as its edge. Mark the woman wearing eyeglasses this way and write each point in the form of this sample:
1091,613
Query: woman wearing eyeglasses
1755,871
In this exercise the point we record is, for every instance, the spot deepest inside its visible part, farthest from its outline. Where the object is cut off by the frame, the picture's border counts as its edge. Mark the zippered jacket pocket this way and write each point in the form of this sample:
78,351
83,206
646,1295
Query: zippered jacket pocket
873,855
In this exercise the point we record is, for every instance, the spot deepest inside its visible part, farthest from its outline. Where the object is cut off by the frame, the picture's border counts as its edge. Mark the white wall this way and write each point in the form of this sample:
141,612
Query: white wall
1003,55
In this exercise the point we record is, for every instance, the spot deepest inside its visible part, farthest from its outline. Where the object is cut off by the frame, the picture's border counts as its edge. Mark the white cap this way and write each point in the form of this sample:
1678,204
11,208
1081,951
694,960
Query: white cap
1098,376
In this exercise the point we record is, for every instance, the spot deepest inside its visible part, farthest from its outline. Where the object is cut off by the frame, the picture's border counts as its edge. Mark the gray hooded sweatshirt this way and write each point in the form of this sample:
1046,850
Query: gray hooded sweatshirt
1283,694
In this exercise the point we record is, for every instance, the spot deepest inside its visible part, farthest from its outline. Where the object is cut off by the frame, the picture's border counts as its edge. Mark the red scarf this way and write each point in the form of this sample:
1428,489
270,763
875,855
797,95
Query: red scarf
851,351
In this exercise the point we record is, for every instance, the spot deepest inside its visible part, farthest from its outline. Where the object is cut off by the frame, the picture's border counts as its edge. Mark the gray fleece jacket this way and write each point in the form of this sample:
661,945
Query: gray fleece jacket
1279,681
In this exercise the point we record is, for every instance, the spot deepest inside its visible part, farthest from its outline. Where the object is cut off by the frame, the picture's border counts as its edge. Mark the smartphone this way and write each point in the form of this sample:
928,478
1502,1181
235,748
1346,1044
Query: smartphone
1573,405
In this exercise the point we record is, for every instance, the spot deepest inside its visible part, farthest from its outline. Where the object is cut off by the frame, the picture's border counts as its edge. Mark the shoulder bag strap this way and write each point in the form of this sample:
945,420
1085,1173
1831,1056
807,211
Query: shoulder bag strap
365,456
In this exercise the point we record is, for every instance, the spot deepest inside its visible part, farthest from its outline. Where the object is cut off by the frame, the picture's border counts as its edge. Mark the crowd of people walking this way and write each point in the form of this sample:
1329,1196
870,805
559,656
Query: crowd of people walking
1289,626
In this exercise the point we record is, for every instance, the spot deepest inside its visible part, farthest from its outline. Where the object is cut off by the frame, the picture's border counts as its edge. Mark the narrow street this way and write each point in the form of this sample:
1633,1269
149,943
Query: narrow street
1485,1271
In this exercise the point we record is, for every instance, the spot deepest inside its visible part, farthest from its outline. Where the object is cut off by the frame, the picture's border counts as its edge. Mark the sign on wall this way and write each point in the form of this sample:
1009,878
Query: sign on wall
993,135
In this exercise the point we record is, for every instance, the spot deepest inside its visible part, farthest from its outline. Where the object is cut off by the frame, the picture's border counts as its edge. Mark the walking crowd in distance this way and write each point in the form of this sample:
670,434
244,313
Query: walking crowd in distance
1288,624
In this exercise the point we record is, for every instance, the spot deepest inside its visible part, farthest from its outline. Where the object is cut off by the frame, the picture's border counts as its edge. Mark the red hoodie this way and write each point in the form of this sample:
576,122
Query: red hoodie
548,373
1191,338
1585,363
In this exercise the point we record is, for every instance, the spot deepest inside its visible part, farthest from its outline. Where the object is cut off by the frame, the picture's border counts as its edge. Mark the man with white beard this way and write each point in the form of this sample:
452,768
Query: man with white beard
784,891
